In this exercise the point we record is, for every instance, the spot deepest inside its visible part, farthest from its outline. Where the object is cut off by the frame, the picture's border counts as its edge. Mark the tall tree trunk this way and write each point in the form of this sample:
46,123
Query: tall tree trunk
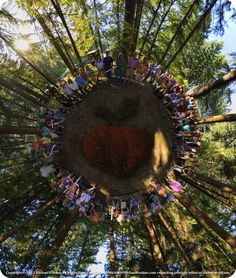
172,235
29,82
8,113
85,12
112,259
218,83
24,108
195,28
13,144
10,86
137,19
26,89
159,27
188,13
57,7
47,255
7,212
82,249
21,225
20,117
6,129
218,184
200,215
64,46
97,25
128,25
150,27
20,54
158,253
54,42
222,200
118,23
218,118
49,17
7,166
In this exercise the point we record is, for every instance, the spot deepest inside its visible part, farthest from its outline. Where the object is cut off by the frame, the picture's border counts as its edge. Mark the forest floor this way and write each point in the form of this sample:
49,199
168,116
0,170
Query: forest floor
151,116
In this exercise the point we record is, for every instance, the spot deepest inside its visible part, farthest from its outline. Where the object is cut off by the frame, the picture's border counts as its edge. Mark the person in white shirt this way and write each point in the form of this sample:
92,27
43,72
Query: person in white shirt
74,87
100,66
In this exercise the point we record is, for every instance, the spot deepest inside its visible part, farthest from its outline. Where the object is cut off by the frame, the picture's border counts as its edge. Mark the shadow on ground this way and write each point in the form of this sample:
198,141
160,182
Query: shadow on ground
150,116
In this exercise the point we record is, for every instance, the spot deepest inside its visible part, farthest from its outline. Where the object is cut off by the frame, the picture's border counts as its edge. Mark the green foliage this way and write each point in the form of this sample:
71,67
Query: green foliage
218,149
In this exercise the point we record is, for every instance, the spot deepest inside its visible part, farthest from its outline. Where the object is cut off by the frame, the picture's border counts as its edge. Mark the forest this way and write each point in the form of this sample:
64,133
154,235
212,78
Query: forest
117,144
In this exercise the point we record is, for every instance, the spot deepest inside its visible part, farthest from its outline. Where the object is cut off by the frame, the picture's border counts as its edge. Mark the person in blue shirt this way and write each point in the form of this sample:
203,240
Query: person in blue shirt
81,82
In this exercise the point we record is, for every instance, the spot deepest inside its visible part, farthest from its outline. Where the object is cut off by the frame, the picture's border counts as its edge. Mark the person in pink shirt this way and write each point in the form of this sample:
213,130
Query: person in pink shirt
176,186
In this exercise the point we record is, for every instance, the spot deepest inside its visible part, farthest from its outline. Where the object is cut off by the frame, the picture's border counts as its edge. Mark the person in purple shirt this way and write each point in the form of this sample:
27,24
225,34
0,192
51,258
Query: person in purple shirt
133,64
108,62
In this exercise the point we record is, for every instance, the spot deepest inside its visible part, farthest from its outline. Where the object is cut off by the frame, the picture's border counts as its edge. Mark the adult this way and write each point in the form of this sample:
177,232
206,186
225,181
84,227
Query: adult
108,62
67,91
74,87
121,66
100,67
81,82
133,63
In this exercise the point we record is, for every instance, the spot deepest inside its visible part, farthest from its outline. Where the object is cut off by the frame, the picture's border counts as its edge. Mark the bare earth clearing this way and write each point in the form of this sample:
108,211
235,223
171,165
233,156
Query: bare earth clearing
151,116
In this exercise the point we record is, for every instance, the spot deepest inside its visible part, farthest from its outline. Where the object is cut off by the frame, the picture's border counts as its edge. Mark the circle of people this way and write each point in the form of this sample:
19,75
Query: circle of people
78,193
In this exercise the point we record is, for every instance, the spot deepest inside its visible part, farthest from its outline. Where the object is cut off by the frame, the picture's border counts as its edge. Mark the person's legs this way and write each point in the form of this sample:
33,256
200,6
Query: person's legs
108,73
118,74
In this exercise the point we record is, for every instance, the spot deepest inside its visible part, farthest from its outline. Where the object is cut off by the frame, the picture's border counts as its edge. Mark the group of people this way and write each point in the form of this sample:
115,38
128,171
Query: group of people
133,69
71,90
183,114
49,142
79,194
76,192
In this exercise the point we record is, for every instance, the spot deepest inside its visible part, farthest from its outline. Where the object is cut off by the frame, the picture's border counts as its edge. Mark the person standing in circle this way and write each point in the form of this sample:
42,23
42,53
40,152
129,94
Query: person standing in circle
108,62
121,66
100,66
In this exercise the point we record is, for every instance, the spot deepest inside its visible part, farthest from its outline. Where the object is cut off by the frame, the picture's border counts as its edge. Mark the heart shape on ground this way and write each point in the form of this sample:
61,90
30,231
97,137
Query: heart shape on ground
118,150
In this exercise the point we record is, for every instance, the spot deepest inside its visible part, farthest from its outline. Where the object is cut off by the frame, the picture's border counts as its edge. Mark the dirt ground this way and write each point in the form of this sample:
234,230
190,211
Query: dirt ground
151,116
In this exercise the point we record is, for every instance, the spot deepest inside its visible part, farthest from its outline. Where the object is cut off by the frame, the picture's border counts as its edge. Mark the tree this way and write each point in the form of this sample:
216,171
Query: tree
23,57
112,258
38,213
160,26
157,250
189,205
183,21
128,25
196,28
57,7
220,82
172,235
218,184
97,28
137,19
46,256
15,83
150,27
6,129
218,118
214,195
18,90
54,42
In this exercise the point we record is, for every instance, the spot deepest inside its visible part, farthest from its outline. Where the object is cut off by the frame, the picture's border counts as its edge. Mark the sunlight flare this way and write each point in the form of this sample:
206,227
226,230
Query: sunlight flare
22,44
